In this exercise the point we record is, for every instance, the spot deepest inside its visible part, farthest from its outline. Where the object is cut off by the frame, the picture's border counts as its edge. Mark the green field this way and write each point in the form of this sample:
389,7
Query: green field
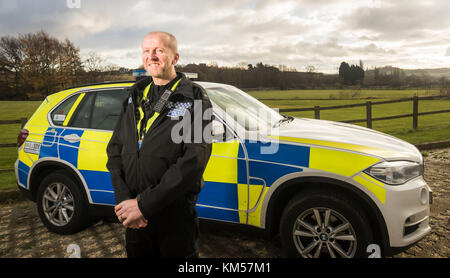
341,94
430,127
12,110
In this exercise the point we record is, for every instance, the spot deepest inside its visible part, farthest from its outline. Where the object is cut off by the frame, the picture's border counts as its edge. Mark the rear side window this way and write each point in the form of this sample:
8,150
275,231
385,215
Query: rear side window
100,110
60,113
83,115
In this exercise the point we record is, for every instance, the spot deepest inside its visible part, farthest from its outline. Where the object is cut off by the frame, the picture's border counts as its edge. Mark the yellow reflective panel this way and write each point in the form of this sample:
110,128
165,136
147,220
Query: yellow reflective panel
251,203
242,202
36,134
372,179
229,149
377,190
92,151
27,158
221,169
222,165
346,146
72,109
339,162
254,218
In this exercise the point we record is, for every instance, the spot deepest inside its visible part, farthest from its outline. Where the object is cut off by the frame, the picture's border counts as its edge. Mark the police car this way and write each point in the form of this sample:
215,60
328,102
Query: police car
328,189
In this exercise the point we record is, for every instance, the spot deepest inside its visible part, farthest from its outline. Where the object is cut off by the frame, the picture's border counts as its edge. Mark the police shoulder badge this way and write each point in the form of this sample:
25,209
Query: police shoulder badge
178,109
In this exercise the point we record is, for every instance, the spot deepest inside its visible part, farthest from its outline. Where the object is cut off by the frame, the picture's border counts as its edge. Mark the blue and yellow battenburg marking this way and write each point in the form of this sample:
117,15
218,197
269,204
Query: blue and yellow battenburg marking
236,181
88,154
233,190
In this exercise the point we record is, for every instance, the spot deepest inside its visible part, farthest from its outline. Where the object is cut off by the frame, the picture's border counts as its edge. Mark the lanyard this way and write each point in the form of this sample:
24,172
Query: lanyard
157,108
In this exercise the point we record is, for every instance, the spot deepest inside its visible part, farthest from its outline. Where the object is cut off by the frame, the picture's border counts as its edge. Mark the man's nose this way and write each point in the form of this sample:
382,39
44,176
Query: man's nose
153,55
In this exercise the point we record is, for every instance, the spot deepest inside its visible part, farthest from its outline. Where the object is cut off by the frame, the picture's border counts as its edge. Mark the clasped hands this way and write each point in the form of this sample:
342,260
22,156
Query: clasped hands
130,215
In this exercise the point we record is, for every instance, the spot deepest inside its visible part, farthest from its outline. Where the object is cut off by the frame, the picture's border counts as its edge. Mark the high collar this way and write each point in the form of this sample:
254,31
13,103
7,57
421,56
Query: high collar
184,87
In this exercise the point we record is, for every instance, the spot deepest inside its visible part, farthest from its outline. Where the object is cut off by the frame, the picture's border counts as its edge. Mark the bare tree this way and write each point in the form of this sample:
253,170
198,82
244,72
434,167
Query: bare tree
36,65
11,59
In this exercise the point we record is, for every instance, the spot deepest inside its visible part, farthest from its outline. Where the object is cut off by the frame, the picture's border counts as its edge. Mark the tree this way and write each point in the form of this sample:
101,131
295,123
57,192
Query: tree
351,74
36,65
344,71
11,74
310,69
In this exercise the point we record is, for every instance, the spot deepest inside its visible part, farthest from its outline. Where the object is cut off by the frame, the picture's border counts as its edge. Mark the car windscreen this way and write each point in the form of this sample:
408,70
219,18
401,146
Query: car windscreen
243,108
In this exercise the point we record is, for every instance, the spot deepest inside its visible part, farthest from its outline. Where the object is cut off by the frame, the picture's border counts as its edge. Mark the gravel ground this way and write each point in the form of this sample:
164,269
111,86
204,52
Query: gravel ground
23,235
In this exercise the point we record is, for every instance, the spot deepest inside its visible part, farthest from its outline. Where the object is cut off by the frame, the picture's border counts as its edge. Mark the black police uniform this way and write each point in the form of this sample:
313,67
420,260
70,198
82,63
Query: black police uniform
164,176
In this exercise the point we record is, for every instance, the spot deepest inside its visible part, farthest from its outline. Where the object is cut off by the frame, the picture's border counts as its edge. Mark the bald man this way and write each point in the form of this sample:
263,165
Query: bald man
156,180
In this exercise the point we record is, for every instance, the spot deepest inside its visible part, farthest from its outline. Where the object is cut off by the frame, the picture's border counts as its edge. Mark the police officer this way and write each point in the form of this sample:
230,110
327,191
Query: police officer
157,179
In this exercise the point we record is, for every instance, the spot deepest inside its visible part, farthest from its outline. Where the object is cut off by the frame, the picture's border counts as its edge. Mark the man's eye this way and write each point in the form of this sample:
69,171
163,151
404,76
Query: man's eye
159,50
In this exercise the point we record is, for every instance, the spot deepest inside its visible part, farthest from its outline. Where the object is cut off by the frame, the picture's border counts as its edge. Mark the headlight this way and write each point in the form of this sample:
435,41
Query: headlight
395,172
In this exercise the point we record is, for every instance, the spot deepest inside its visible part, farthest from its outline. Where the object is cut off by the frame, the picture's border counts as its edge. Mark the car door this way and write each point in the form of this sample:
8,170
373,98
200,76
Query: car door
224,194
91,127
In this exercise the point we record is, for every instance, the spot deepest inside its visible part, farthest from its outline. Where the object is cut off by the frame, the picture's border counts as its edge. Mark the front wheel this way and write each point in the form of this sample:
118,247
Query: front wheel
61,205
319,224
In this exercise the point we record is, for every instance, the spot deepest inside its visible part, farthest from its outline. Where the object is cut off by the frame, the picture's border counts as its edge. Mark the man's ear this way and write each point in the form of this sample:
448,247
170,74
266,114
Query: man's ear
175,59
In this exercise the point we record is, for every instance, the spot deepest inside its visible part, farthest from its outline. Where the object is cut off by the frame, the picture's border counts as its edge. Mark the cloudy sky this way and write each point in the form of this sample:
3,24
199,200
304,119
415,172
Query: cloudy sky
296,33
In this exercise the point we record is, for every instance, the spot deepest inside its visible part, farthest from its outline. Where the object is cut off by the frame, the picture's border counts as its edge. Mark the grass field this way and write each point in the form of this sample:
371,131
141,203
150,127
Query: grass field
341,94
12,110
430,128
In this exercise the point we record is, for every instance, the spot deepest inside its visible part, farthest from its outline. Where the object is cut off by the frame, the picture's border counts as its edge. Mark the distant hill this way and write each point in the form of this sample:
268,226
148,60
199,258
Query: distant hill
434,73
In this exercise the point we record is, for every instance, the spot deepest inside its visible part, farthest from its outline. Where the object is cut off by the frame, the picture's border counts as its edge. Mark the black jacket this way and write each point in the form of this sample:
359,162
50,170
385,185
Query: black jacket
161,173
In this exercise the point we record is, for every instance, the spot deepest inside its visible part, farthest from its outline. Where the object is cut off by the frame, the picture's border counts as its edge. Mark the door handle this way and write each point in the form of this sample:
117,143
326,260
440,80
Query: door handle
72,138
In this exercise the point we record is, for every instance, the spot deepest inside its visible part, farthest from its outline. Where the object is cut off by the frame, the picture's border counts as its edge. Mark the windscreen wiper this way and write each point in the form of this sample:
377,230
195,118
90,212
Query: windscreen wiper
286,119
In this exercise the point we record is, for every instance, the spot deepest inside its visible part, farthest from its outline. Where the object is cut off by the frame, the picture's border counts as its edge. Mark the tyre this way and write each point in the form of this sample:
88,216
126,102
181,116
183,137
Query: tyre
325,225
61,204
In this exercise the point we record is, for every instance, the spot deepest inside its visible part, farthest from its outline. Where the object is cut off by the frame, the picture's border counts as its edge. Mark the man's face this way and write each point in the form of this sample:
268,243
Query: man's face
157,56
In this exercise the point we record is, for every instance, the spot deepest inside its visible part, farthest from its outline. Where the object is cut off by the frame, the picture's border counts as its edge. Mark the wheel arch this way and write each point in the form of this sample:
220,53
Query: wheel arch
290,188
44,167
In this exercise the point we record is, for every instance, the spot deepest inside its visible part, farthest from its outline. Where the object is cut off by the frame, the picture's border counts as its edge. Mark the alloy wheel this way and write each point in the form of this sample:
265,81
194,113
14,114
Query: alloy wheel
323,232
58,204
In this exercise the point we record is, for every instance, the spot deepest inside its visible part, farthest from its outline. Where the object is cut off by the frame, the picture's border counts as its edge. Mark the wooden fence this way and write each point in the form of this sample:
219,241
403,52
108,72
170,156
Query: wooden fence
369,119
22,122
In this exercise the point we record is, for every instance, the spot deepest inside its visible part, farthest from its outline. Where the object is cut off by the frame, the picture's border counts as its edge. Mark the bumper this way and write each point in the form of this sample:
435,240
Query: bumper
407,211
25,192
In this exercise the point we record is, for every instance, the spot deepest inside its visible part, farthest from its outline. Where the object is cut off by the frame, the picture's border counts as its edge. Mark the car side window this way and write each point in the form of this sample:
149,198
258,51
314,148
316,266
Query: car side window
83,115
60,113
107,107
100,110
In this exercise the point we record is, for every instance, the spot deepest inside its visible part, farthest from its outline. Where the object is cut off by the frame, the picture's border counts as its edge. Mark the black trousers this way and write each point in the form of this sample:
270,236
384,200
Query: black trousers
172,233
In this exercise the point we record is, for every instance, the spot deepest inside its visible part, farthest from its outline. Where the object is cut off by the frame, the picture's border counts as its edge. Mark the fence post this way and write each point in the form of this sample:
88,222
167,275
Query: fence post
415,111
369,114
317,112
23,122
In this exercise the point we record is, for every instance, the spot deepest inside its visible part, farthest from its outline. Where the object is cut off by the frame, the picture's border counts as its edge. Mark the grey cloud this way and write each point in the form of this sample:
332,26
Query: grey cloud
25,16
321,32
373,49
400,19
